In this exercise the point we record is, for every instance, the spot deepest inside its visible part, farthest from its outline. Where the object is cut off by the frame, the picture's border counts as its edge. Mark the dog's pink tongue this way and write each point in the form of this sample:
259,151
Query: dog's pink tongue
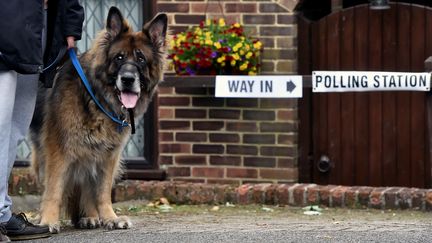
129,99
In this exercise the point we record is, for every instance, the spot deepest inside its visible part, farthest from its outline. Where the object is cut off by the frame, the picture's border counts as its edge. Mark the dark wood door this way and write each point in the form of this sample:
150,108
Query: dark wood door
370,138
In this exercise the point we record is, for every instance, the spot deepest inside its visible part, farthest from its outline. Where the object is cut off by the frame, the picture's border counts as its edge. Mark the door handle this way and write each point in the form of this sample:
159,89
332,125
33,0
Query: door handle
324,165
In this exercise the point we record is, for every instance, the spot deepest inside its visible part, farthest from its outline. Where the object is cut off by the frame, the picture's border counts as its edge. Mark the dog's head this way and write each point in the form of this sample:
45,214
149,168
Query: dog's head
130,63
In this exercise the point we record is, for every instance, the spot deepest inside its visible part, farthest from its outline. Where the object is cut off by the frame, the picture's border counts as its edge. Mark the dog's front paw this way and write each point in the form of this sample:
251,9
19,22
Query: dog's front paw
88,223
121,222
54,228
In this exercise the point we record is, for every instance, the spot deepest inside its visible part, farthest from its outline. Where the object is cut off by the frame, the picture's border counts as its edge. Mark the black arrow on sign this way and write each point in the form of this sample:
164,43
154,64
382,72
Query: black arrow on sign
290,86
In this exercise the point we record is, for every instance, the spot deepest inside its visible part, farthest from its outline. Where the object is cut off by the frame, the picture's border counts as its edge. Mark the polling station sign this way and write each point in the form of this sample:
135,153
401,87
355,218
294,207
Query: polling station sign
243,86
341,81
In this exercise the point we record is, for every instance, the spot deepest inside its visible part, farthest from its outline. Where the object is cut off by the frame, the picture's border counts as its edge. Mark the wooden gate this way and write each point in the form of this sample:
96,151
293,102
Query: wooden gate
366,138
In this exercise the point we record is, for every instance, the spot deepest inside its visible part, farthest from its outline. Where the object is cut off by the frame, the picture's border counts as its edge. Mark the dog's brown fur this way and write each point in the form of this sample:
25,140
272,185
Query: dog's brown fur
77,148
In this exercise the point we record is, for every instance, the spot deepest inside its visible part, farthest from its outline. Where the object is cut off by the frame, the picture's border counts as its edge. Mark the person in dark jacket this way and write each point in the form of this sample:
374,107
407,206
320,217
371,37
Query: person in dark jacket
32,33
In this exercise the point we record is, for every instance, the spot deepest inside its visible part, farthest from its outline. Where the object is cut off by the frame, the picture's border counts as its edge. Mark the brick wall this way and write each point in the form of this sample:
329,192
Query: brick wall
234,141
271,21
231,141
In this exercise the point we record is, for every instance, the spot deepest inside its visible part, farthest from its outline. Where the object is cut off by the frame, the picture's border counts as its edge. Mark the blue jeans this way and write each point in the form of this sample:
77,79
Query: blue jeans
17,101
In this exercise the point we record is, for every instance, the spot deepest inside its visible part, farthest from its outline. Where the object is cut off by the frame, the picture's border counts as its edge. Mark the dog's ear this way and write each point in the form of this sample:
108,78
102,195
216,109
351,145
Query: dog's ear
156,29
115,23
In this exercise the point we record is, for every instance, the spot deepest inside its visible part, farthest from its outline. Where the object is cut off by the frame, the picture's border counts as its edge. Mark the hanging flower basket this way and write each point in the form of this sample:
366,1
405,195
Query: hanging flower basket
214,48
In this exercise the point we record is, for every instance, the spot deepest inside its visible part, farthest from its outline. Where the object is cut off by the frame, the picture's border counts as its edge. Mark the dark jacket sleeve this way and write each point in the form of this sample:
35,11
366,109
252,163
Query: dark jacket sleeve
73,19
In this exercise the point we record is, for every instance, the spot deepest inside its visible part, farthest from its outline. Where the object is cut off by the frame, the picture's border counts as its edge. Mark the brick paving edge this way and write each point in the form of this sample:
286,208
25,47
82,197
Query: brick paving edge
276,194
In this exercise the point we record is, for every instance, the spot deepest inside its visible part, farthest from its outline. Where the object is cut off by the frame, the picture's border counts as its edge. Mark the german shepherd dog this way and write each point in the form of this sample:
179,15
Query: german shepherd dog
76,148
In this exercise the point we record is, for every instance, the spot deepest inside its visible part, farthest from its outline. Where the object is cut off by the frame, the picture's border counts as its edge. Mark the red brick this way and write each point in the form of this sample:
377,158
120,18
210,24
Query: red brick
208,149
286,163
189,19
282,194
325,194
179,171
276,127
208,172
224,137
286,19
428,199
243,194
249,103
165,90
313,195
259,138
224,114
165,160
241,173
173,7
164,113
225,160
207,102
299,195
190,113
404,198
206,7
241,8
191,91
281,174
351,198
174,101
270,194
418,199
175,148
259,19
182,193
285,139
191,137
224,181
174,125
190,160
338,196
259,162
242,149
278,103
287,115
208,125
277,151
258,193
364,195
390,197
166,137
259,115
202,194
271,8
242,126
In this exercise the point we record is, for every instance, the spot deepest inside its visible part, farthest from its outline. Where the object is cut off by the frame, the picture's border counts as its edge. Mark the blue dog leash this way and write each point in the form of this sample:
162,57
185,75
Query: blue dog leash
78,68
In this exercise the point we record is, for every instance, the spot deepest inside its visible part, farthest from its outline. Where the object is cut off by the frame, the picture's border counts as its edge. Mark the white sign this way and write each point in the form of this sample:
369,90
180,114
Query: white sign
334,81
259,86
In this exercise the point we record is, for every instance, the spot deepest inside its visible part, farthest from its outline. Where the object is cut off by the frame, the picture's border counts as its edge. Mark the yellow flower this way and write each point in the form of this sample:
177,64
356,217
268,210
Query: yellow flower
258,45
217,45
176,58
236,56
221,22
252,73
208,22
172,43
233,63
237,47
243,66
242,52
249,55
236,25
221,59
208,42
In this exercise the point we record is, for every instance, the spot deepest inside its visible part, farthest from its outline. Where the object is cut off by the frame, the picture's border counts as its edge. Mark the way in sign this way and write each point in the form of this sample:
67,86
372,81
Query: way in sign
250,86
